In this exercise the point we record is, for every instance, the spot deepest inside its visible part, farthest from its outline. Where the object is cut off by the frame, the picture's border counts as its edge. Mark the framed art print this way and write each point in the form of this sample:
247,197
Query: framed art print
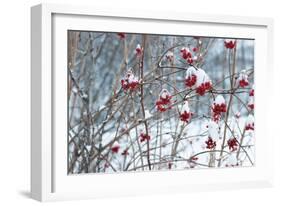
127,103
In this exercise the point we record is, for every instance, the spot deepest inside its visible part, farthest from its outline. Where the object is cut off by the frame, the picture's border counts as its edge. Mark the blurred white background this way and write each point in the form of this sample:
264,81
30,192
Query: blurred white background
15,100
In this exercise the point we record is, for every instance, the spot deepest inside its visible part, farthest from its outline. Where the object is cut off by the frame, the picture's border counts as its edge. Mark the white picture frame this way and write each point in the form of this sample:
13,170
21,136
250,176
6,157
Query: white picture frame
49,179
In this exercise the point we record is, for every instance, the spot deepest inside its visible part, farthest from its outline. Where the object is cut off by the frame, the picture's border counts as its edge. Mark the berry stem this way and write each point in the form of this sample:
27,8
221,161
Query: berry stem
142,99
232,71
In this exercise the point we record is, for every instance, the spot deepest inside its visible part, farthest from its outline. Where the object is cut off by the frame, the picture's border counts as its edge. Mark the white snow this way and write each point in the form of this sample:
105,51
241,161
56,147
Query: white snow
185,49
195,133
219,100
115,144
232,160
165,94
84,96
138,46
243,75
102,107
202,77
251,100
88,147
71,147
185,107
147,114
250,120
190,71
170,54
213,130
74,90
131,77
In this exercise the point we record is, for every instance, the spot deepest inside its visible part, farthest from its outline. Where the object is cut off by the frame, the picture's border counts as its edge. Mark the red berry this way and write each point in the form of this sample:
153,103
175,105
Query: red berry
185,53
189,60
210,143
230,44
194,158
232,144
164,101
191,80
125,152
170,164
121,35
251,106
185,116
252,93
250,127
129,82
115,148
139,50
243,83
201,90
219,108
144,137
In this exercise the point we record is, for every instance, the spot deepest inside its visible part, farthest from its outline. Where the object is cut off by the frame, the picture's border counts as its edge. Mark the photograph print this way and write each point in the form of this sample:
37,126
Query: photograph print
149,102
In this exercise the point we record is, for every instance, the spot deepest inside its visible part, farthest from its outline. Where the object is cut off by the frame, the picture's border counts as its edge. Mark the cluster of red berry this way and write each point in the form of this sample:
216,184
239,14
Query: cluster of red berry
144,137
211,144
230,44
232,144
164,101
218,107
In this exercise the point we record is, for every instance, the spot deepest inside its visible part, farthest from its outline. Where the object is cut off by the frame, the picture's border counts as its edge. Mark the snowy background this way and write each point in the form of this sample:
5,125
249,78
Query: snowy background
109,122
